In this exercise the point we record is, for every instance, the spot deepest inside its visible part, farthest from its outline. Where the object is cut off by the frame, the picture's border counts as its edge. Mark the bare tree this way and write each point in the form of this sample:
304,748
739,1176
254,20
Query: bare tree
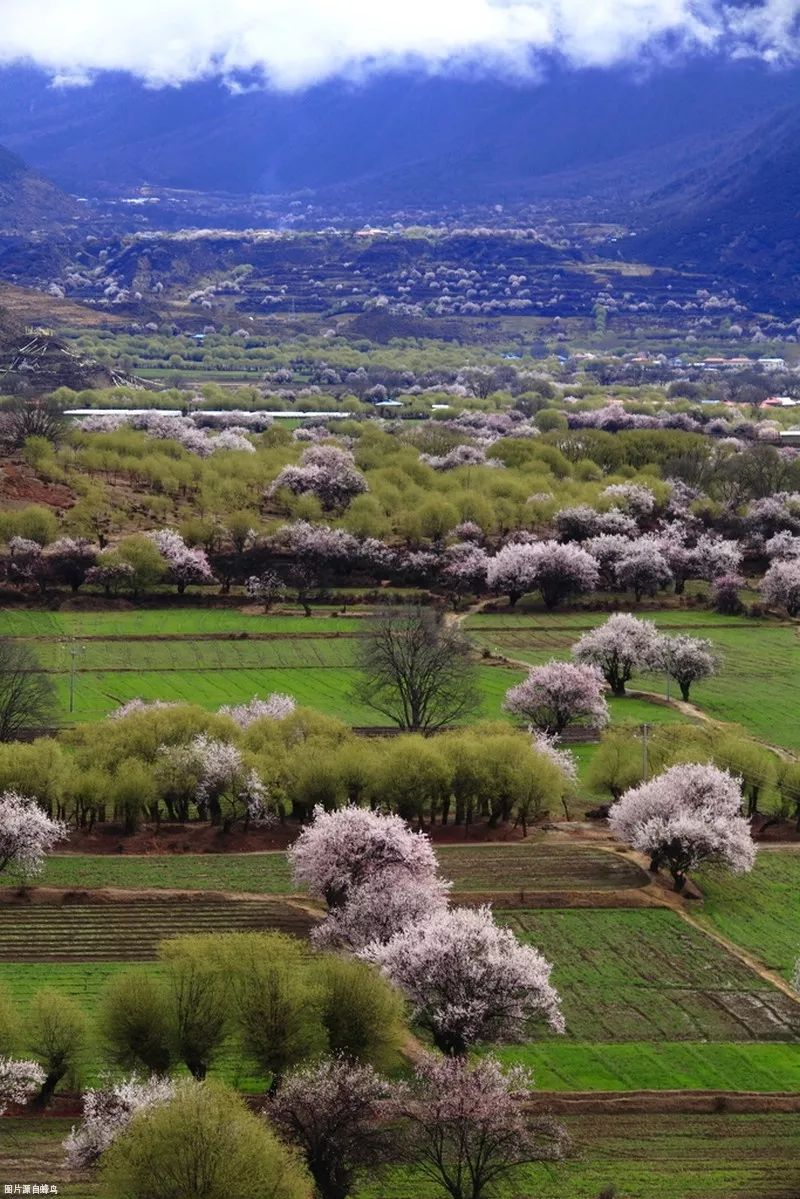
23,418
417,670
27,696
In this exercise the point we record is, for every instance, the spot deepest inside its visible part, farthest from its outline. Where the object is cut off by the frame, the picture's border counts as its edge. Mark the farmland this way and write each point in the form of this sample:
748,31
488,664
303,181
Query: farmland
668,980
759,911
644,1157
531,865
758,685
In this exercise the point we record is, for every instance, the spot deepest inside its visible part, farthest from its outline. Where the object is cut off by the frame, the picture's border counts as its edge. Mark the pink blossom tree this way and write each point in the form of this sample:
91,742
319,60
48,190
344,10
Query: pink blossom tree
617,648
463,570
379,908
27,834
185,566
333,1112
107,1112
468,979
325,471
340,851
642,571
558,571
687,816
780,587
19,1082
465,1128
687,660
725,594
558,694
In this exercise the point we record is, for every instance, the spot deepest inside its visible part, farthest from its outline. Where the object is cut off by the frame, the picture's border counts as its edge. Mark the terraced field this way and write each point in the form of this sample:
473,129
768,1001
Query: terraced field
661,979
533,865
758,685
131,931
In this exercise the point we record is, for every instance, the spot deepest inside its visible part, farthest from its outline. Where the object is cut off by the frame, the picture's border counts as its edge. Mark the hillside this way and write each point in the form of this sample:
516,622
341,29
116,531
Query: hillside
738,211
28,201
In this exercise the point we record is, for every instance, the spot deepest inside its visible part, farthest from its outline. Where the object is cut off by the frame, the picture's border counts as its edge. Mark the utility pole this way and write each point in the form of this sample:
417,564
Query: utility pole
74,651
645,763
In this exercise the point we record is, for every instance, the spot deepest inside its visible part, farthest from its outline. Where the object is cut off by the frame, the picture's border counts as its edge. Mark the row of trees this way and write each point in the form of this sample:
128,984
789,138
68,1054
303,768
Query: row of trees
258,762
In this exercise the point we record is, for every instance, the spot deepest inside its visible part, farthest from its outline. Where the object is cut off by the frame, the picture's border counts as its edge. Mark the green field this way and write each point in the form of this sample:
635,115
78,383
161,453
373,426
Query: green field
660,979
657,1065
644,1157
758,685
163,622
759,911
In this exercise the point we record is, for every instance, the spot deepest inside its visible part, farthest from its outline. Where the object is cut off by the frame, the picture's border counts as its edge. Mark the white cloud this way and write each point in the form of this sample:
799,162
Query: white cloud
294,43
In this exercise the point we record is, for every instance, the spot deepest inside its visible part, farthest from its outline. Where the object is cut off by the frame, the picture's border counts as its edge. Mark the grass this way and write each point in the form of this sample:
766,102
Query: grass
646,975
644,1157
759,911
758,685
530,864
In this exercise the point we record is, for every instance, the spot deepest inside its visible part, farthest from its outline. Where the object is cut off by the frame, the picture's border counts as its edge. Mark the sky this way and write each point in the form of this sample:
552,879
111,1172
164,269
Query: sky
292,44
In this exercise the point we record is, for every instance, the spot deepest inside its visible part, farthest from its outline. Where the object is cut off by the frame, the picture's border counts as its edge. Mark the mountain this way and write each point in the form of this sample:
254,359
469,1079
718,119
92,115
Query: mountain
738,213
397,138
27,201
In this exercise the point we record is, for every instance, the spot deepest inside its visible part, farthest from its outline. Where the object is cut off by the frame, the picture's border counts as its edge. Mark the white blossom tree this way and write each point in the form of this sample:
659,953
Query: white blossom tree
27,834
780,587
687,660
642,571
19,1081
275,707
687,816
107,1112
468,979
227,787
618,647
266,588
558,694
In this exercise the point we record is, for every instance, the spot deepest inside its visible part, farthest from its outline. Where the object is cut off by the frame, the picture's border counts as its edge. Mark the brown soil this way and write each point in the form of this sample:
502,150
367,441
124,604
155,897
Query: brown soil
20,486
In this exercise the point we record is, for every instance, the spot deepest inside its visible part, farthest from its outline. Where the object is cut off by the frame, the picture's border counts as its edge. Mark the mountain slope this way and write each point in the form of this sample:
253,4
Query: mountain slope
738,212
27,201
